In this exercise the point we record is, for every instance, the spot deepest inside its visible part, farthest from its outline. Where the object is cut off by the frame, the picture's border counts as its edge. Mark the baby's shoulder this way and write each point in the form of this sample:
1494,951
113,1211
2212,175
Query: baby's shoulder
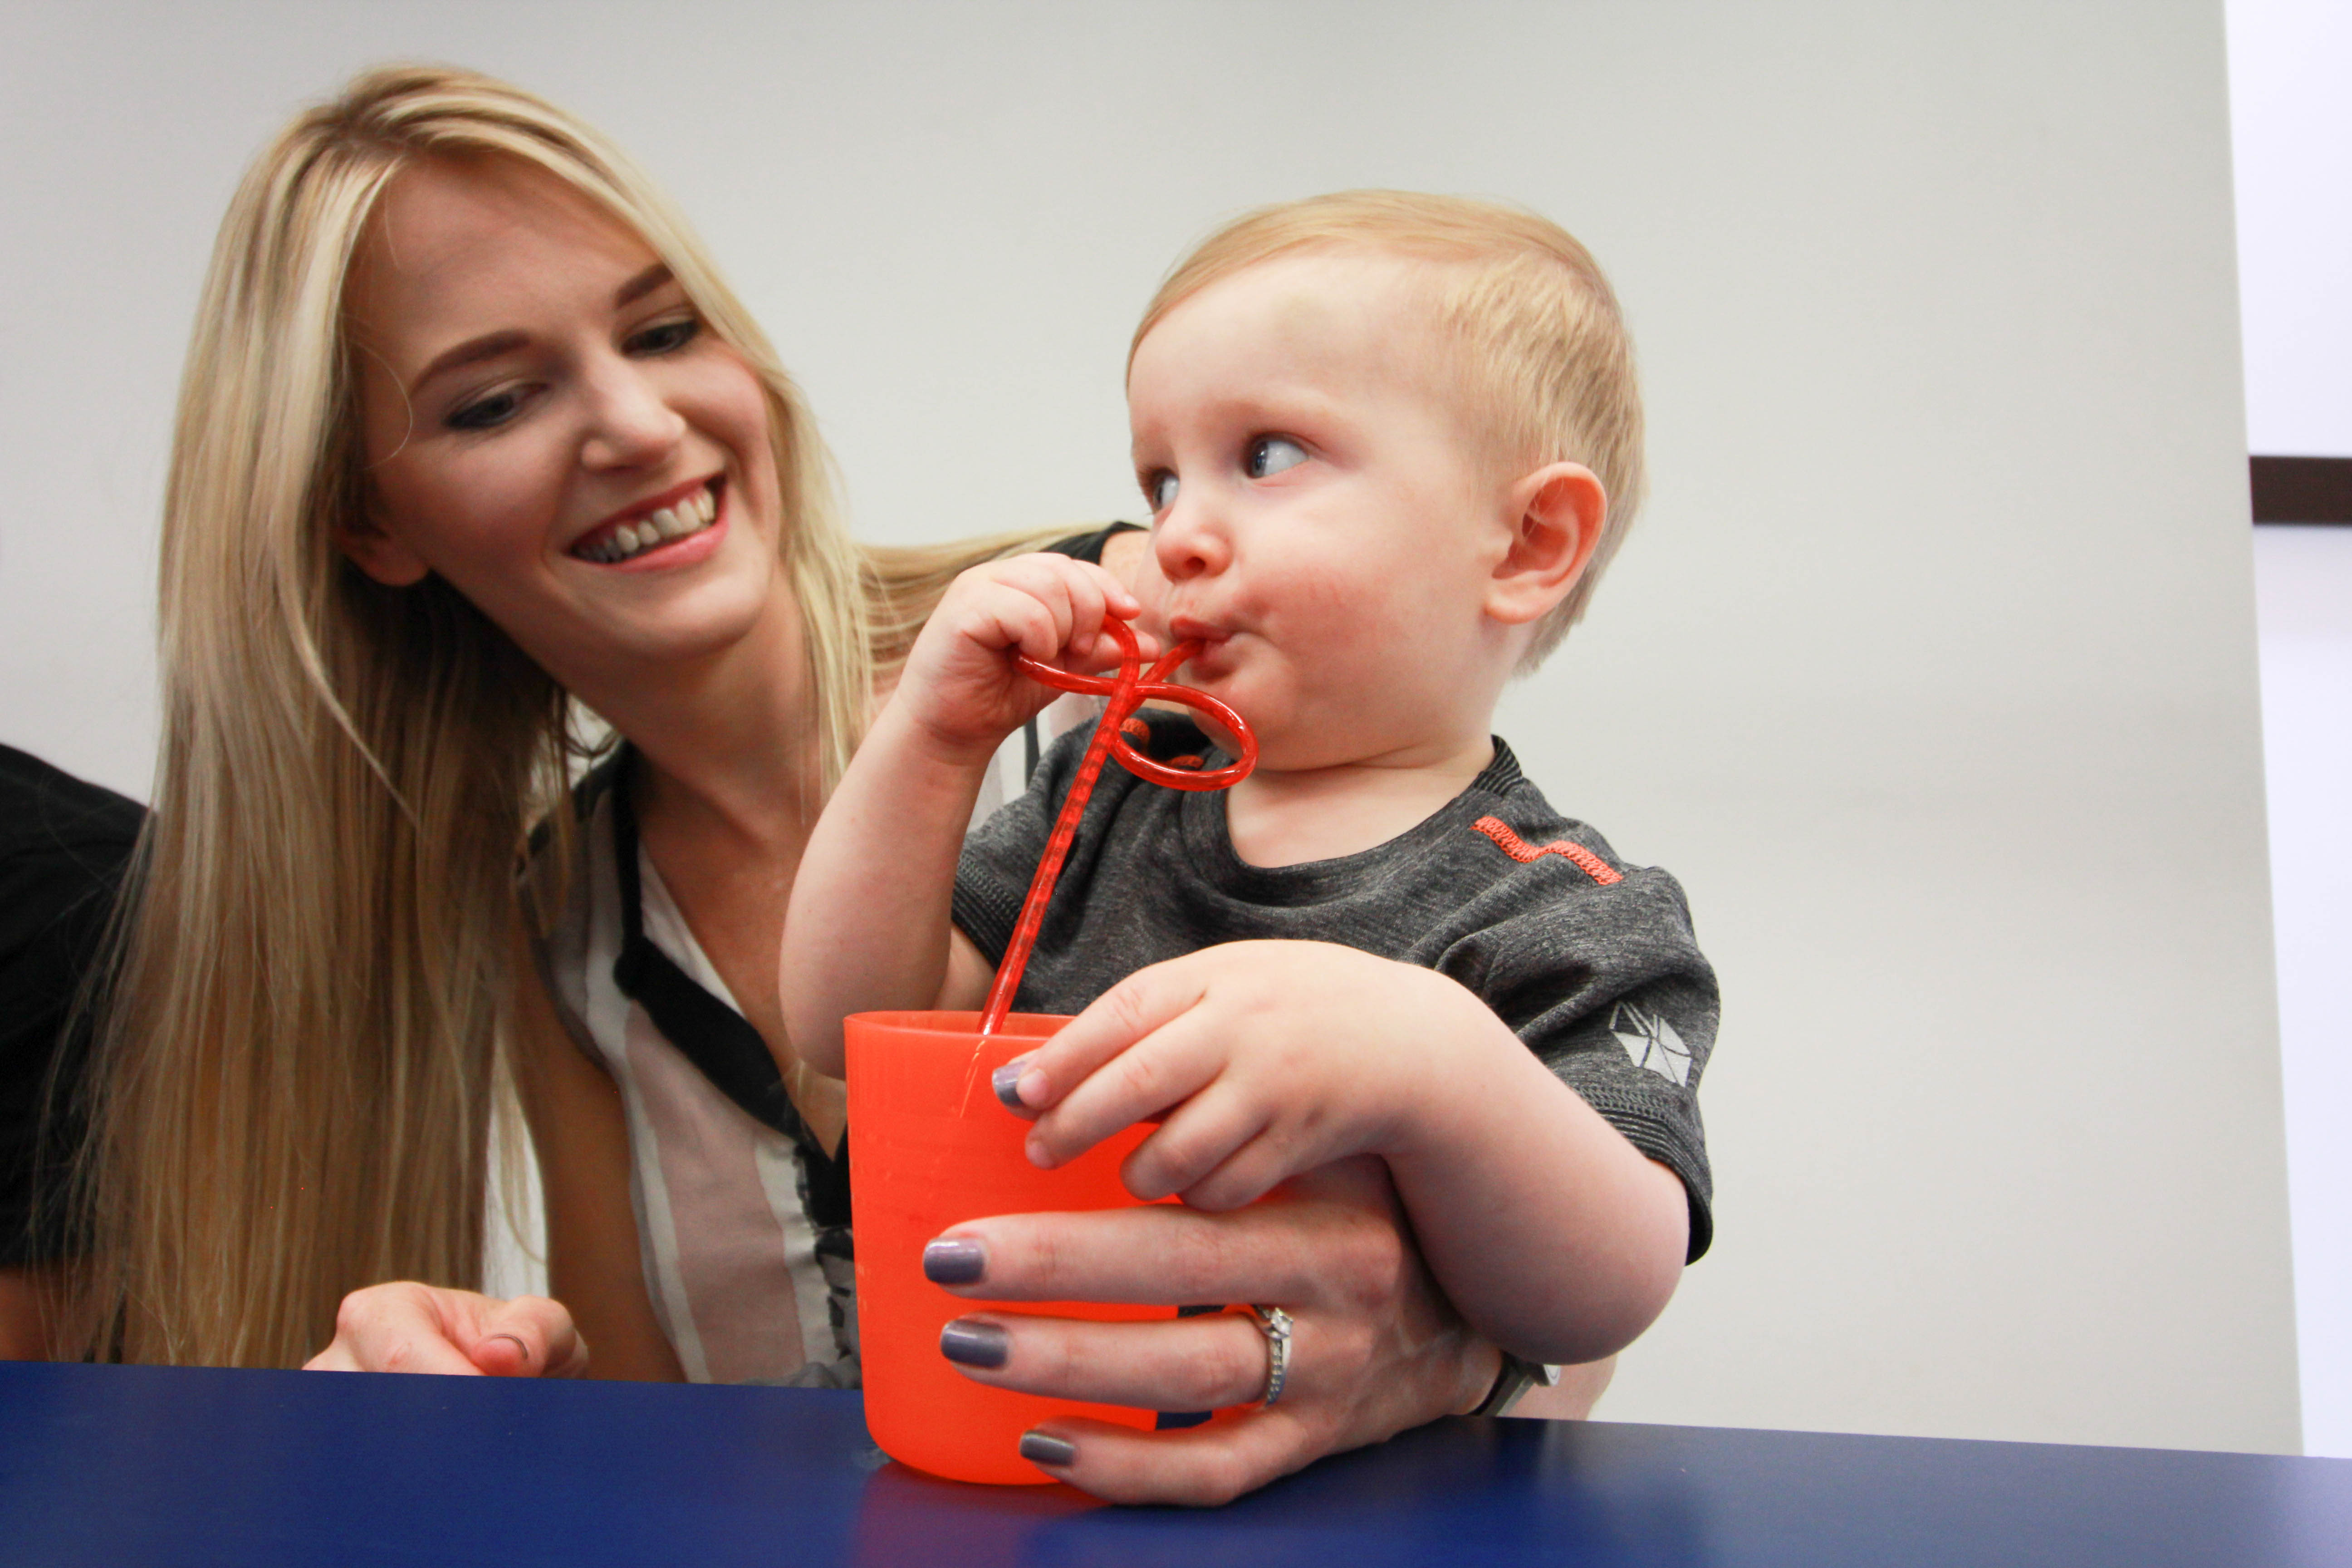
1508,810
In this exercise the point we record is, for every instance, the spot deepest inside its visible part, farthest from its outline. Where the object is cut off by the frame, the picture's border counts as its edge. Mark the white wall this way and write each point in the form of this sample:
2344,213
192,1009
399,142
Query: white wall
2292,134
2304,577
2291,120
1930,668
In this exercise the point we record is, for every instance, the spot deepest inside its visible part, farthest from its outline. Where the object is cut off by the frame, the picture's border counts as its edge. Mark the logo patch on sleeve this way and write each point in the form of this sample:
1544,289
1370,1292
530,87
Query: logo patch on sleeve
1652,1042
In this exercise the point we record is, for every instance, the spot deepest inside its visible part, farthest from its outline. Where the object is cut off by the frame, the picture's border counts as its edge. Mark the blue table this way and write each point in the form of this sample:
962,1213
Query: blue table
125,1466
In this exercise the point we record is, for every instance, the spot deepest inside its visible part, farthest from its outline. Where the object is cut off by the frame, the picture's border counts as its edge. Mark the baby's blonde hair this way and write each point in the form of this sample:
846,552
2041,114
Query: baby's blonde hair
1542,353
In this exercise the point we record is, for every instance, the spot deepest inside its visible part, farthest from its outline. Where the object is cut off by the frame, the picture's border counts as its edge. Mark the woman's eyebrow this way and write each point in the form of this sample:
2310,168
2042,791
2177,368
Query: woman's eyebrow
643,284
475,350
469,353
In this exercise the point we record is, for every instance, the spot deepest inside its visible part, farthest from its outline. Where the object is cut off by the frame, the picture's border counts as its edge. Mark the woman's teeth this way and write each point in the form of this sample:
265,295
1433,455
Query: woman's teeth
692,515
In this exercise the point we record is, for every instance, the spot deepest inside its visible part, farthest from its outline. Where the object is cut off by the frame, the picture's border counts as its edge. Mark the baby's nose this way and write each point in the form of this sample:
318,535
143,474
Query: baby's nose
1188,541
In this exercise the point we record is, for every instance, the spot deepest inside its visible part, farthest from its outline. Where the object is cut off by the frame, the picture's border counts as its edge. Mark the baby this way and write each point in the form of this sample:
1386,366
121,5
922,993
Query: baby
1388,441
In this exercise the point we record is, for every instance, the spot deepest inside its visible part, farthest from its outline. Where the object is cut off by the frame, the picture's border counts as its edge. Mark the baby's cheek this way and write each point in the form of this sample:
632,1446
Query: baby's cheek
1137,569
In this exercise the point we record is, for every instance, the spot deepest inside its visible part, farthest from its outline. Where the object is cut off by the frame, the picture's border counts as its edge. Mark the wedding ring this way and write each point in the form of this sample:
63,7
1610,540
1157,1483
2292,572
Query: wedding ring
1275,1324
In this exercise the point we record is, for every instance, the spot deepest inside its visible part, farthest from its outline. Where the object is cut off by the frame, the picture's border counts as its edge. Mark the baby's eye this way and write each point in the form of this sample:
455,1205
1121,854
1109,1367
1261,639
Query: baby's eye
664,337
1269,455
1159,489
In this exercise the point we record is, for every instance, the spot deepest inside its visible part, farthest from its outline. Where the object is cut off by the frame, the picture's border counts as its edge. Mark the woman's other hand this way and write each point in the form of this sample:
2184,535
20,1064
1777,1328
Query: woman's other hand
408,1327
1375,1349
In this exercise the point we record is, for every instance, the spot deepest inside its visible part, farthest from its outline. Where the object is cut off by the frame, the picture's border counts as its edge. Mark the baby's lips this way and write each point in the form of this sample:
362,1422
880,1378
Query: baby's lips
1192,628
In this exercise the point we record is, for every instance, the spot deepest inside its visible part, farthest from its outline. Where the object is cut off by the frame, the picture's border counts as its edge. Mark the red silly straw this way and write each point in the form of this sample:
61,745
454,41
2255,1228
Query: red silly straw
1126,690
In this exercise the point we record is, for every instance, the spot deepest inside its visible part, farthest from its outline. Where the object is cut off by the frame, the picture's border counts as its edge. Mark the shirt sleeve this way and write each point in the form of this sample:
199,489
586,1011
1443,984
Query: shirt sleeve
58,891
1608,986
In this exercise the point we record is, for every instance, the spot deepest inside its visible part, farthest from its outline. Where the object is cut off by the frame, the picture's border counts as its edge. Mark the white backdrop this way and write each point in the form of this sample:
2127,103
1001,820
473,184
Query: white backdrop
2292,134
2291,121
1929,669
2304,578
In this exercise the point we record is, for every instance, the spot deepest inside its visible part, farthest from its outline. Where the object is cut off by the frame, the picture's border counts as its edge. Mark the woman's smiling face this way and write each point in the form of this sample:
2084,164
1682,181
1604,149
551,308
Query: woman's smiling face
547,422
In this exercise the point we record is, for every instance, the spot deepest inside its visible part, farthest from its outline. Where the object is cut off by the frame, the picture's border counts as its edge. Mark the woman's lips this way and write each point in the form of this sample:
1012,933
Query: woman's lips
656,530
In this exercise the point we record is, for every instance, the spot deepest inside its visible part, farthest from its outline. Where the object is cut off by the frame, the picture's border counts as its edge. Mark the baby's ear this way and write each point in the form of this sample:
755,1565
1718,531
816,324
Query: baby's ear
376,552
1556,515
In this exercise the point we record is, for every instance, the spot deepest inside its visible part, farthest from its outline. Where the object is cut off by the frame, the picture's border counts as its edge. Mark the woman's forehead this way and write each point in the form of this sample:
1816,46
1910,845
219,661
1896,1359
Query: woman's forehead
452,239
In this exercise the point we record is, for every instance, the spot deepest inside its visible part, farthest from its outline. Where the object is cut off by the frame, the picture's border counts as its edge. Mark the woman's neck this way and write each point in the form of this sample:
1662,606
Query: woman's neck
729,747
728,784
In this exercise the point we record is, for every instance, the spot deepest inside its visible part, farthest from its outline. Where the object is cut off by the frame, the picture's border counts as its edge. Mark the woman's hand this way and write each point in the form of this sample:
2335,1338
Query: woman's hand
408,1327
1549,1232
1374,1348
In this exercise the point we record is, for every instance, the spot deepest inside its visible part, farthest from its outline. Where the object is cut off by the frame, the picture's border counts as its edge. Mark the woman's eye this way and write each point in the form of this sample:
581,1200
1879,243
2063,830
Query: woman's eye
486,413
1159,489
1269,455
663,337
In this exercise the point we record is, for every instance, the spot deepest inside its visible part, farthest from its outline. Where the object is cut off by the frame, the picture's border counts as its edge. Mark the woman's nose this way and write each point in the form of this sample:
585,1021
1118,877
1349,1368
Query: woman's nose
631,423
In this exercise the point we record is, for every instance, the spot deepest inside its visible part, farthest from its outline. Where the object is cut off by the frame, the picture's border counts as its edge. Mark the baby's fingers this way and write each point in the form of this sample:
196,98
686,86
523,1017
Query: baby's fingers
1033,614
1164,1069
1095,595
1213,1149
1118,1018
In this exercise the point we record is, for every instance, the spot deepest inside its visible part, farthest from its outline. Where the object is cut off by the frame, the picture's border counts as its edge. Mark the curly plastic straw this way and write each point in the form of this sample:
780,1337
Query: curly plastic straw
1127,691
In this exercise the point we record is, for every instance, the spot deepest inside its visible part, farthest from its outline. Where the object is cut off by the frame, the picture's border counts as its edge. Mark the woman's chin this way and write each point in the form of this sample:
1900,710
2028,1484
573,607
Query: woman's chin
637,637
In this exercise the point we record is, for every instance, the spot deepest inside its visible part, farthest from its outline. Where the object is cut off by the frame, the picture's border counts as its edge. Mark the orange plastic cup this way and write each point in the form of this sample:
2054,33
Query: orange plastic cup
933,1148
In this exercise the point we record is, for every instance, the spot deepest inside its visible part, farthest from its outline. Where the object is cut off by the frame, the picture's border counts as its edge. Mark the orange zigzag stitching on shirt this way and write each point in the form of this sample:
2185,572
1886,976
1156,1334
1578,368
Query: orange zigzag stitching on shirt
1511,844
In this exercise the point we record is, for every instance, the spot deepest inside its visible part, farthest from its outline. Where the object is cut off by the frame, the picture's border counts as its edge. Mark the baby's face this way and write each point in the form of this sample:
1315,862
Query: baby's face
1321,516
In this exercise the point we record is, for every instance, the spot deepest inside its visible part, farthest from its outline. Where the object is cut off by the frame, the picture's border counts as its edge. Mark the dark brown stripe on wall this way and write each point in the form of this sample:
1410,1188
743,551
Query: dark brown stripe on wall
2303,489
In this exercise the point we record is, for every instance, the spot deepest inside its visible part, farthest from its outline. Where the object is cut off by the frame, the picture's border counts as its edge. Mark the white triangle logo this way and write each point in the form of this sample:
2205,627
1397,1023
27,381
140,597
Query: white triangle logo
1652,1042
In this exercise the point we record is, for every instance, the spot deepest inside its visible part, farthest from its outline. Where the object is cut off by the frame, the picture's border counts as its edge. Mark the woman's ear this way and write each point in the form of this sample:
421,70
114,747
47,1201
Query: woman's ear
378,553
1556,515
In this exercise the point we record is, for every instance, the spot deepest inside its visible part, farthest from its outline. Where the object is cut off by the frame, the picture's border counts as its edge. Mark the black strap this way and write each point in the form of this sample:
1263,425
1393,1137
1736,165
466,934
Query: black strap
1088,547
716,1038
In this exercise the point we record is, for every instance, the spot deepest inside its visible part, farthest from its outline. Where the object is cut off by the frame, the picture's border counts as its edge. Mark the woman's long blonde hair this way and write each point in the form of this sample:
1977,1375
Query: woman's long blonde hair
294,1095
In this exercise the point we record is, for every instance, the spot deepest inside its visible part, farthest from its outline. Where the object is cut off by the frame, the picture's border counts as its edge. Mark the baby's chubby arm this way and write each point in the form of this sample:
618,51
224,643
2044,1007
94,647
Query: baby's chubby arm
868,924
1555,1237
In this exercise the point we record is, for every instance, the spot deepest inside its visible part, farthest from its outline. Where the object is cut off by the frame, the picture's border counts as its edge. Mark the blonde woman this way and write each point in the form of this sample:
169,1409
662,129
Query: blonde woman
473,440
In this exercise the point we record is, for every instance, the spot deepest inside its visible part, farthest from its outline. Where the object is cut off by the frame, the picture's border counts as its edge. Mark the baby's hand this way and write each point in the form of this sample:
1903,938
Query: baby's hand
1270,1059
960,686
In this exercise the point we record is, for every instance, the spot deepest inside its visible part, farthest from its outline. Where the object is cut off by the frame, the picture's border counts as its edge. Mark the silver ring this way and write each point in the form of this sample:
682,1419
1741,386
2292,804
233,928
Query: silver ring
1275,1324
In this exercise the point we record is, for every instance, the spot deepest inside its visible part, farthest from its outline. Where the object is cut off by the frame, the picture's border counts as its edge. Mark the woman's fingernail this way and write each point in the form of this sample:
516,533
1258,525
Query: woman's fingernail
958,1260
1039,1449
1006,1081
522,1351
972,1342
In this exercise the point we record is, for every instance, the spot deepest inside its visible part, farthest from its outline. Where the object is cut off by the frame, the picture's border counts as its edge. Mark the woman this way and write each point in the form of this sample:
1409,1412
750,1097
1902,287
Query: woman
472,440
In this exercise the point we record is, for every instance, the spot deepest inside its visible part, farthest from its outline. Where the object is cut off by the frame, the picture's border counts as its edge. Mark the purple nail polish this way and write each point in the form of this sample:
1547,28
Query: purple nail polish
1006,1081
958,1260
1041,1449
973,1342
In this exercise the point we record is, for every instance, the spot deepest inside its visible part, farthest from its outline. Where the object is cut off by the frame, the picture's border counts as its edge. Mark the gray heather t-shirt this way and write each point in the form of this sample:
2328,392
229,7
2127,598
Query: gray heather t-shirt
1589,961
